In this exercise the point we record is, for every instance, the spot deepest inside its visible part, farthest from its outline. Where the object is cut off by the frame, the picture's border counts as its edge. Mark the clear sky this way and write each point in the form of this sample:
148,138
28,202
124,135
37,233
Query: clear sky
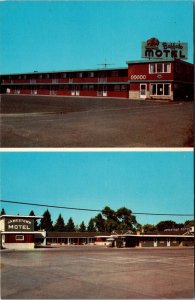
70,35
157,182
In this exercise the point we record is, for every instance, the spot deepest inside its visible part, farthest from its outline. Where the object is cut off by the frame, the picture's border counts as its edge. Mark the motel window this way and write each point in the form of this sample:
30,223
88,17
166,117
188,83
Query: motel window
80,75
116,87
167,68
114,73
152,68
64,75
159,68
91,87
85,87
40,76
157,89
19,238
123,87
47,76
91,74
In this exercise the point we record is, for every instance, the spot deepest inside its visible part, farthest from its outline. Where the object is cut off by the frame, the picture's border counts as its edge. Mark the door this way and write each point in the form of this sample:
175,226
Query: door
104,90
168,243
143,90
73,90
53,90
77,90
155,242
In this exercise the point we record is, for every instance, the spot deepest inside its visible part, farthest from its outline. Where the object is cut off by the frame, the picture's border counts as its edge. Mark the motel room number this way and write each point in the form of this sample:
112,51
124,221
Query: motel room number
136,77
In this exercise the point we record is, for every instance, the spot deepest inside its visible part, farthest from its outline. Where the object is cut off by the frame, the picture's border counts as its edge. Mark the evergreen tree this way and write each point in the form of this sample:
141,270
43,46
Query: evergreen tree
82,227
3,212
59,225
91,226
46,222
36,226
70,227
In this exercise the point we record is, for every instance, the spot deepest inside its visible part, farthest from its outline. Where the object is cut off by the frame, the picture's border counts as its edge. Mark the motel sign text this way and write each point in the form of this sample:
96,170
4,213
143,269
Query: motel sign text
15,224
152,48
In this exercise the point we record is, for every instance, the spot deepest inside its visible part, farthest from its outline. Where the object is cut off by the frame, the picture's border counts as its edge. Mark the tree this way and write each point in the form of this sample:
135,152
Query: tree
127,219
149,228
111,221
161,226
36,226
189,223
46,222
99,223
59,225
70,227
82,227
91,226
3,212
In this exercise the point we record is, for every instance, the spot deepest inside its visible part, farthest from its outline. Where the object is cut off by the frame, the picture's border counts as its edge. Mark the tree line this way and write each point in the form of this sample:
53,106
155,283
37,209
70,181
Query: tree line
108,220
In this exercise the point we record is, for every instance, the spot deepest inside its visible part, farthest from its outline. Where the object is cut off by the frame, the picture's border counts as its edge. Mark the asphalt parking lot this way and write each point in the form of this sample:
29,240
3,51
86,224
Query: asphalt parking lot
45,121
94,272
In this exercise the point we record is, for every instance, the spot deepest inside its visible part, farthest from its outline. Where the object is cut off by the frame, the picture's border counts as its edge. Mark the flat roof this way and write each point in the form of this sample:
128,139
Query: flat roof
66,71
146,61
20,216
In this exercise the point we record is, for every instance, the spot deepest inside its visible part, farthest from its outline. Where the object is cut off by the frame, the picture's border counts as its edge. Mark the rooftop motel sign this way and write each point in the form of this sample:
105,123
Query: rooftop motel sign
19,224
153,48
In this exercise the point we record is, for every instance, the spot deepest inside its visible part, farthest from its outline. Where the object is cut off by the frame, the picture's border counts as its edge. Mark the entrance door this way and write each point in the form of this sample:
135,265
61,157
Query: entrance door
168,243
53,91
73,90
104,90
155,242
143,90
77,90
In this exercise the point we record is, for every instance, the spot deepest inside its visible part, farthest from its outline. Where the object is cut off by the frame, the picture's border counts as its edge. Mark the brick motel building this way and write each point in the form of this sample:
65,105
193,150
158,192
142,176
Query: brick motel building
17,232
168,79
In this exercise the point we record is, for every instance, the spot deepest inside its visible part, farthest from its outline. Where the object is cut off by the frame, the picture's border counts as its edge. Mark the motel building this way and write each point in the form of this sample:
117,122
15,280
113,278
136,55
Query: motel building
162,73
17,232
169,238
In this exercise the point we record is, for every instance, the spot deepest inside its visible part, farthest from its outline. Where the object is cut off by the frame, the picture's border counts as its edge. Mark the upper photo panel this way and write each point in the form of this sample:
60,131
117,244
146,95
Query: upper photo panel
96,74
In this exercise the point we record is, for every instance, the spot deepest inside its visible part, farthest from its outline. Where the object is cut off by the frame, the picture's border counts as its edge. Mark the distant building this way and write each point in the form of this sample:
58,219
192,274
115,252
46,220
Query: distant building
17,232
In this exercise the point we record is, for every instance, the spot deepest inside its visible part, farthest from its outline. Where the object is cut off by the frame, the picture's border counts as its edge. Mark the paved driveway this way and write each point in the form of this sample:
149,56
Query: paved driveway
28,121
92,272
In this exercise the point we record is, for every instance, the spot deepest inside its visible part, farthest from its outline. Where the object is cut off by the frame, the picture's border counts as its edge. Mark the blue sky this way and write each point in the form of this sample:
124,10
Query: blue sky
157,182
70,35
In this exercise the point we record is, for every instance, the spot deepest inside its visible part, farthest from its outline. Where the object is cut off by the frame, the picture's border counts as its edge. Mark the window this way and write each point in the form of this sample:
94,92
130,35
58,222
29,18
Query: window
157,89
116,87
91,87
159,68
19,238
123,87
91,74
64,75
114,73
152,68
85,87
167,68
80,75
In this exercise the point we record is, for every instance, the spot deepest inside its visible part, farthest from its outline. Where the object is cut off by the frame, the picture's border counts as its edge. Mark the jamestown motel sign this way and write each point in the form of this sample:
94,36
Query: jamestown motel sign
19,224
153,48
